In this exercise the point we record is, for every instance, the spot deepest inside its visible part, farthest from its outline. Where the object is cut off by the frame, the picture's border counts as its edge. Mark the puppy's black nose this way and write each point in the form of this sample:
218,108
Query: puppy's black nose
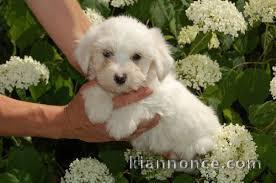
120,79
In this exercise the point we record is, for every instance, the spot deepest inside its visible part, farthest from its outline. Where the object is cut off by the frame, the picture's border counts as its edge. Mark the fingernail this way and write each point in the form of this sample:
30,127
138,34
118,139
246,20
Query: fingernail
145,92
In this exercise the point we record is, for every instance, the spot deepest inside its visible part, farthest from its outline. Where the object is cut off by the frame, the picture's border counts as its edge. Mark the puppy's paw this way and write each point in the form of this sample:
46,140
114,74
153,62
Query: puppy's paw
122,123
121,131
98,104
204,145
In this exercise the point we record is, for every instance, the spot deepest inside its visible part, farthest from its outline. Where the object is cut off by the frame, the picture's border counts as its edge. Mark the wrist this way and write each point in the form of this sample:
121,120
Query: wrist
30,119
57,122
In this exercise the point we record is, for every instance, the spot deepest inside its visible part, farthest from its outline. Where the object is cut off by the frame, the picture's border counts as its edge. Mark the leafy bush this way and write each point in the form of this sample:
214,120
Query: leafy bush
241,96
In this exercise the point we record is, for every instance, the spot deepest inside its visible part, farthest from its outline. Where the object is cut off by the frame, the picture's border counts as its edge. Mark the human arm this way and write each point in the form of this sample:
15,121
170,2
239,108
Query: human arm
65,23
19,118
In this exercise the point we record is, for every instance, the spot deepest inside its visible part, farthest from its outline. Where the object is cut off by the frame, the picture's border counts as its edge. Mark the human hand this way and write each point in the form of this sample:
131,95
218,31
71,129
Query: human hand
78,126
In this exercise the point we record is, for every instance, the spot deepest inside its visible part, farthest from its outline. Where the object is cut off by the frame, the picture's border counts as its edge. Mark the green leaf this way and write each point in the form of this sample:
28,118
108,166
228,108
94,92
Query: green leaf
140,10
266,150
27,160
213,97
28,37
267,39
228,87
200,43
183,178
263,115
253,40
114,160
22,176
97,5
21,94
120,178
269,178
273,30
44,52
231,116
159,13
240,5
38,90
226,41
253,87
61,82
253,173
23,28
8,178
271,159
245,44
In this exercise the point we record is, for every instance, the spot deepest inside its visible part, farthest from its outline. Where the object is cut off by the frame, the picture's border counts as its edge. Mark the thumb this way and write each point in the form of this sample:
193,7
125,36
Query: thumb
89,84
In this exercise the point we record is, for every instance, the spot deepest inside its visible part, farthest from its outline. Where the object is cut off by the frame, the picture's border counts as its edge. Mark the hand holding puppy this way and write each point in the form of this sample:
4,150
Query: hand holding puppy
79,126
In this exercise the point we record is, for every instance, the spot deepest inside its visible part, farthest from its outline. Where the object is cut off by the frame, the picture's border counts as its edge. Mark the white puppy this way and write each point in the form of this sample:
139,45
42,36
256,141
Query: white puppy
124,55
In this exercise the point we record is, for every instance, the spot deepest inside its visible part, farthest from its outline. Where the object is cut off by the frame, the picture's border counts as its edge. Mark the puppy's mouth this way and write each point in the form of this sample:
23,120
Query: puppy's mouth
118,88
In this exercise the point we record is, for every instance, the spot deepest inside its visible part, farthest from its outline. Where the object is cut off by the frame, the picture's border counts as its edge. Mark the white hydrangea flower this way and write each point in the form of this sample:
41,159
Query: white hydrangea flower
216,15
93,16
150,173
22,73
214,41
87,170
198,71
260,10
122,3
233,143
188,34
273,84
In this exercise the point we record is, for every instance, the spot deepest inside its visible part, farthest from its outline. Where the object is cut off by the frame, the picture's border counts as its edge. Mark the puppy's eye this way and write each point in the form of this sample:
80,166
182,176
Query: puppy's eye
136,57
107,53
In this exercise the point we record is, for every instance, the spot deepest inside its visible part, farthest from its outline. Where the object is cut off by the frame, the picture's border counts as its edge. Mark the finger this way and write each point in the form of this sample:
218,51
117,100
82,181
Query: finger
89,84
149,124
97,139
143,127
132,97
97,134
168,155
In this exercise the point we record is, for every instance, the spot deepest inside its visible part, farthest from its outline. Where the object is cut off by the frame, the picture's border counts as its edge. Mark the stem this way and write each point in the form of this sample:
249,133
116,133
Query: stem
257,63
198,43
269,126
265,42
15,141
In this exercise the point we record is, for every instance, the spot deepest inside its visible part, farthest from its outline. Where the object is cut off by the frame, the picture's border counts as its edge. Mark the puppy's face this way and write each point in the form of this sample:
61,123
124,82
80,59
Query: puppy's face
123,54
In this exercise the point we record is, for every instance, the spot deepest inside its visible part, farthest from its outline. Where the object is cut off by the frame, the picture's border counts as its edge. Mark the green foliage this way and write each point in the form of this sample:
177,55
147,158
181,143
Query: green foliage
253,86
115,165
183,178
263,114
241,96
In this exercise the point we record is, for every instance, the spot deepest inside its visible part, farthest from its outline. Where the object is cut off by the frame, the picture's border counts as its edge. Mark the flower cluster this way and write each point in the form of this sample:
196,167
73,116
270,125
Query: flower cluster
87,170
214,42
119,3
216,15
93,16
149,173
188,34
197,71
21,73
233,143
260,10
273,84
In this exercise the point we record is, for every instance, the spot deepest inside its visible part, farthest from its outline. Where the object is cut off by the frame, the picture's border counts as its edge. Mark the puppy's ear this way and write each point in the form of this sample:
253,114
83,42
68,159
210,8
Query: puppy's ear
83,55
163,60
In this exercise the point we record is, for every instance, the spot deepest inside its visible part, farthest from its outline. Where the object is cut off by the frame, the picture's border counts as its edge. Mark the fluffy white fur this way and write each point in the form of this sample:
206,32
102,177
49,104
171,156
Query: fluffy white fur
186,124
